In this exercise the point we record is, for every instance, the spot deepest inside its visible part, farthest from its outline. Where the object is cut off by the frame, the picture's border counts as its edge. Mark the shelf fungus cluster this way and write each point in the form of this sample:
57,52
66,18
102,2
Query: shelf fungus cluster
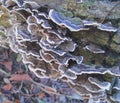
43,38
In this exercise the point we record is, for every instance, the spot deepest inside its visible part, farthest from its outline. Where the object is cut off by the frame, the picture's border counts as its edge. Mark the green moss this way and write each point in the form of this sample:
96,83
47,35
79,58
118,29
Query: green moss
100,38
95,36
5,16
77,20
65,12
108,77
115,47
5,23
116,38
89,57
111,61
92,9
1,34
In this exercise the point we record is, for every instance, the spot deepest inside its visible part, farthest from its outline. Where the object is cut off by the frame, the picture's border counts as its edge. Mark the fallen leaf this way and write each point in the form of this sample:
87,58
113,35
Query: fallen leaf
7,101
22,99
49,89
7,64
20,71
4,99
41,95
6,80
5,54
7,87
40,101
17,101
20,77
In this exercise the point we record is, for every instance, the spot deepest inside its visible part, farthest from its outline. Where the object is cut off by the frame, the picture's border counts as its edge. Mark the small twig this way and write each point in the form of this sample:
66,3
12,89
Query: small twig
6,74
21,85
73,89
110,11
41,86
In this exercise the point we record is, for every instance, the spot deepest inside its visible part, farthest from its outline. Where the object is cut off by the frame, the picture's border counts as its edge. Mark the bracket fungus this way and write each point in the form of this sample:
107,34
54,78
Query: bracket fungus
63,21
94,48
44,38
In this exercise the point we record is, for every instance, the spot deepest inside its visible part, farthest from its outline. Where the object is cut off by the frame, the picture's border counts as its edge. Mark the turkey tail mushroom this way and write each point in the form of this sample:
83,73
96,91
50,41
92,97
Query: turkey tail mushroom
44,38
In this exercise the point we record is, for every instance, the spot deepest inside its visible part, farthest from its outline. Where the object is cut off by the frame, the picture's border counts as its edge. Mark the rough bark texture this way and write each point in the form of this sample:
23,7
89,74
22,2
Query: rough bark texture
96,10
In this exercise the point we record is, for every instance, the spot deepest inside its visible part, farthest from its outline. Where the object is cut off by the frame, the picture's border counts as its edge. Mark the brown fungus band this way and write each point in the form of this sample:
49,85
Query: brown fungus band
44,38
